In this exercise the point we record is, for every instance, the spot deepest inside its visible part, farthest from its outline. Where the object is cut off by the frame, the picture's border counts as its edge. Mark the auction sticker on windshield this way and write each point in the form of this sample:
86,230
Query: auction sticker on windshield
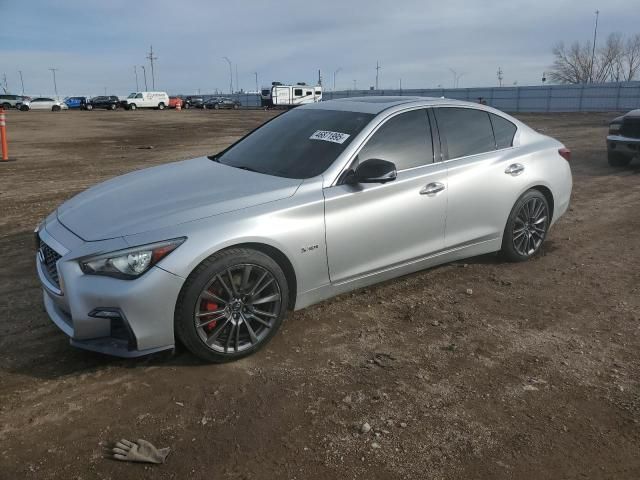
327,136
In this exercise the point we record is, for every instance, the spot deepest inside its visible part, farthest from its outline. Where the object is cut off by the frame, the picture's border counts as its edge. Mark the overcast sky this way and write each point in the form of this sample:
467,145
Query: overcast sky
95,44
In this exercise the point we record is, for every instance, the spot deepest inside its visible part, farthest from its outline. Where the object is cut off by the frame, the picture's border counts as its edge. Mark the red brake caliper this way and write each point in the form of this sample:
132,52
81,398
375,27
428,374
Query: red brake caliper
210,307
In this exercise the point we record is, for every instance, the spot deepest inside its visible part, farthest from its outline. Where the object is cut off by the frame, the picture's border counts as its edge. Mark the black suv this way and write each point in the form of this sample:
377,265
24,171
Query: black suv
110,102
193,102
623,141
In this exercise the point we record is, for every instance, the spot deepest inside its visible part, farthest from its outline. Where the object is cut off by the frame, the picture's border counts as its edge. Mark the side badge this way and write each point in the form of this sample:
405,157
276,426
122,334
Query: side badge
309,248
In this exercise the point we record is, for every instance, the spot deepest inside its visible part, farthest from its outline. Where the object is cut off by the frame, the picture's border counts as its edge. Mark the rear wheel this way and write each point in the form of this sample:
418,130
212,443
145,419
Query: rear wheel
112,106
231,305
617,159
216,106
527,227
161,106
89,106
235,106
24,108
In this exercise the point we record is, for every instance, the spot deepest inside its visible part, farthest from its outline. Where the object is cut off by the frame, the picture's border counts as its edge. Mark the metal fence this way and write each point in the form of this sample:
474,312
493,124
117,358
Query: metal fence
605,97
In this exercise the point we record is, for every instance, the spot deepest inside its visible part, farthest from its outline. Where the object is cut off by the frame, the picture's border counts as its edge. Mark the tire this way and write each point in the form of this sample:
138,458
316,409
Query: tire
161,106
6,106
216,106
203,292
527,227
112,107
132,106
24,108
617,159
89,107
186,106
55,108
236,106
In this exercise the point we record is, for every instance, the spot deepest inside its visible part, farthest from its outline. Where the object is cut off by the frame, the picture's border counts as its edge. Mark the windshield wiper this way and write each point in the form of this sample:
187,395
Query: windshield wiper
215,158
248,169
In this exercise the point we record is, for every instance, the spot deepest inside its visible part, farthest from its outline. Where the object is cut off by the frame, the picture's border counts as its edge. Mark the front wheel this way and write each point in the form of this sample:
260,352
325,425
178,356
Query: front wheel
132,106
617,159
6,106
216,106
231,305
236,106
55,108
24,108
527,227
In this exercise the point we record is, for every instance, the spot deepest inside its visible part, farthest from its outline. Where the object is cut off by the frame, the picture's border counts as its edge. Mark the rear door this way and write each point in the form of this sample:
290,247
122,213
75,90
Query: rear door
481,192
373,227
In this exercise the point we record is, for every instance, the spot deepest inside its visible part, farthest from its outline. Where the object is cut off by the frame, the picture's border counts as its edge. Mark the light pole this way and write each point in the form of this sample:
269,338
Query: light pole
230,74
256,74
21,82
334,77
55,86
354,85
456,77
135,71
593,50
144,71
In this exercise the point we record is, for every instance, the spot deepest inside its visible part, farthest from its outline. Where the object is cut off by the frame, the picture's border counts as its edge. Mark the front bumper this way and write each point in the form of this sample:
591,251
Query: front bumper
125,318
624,145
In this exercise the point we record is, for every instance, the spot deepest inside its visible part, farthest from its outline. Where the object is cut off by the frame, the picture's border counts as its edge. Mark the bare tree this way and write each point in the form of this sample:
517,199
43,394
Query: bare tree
615,61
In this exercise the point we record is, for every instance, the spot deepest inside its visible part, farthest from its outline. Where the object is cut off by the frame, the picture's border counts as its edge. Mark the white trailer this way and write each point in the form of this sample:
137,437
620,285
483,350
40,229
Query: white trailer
289,96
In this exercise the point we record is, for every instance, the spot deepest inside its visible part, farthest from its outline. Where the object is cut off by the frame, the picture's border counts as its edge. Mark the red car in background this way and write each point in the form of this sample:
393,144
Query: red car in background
175,101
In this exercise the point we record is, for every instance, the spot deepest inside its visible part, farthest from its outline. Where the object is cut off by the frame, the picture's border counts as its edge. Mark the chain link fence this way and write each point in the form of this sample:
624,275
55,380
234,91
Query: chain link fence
605,97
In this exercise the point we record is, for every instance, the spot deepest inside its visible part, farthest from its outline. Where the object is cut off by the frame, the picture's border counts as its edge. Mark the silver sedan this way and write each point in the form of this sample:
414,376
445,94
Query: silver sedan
323,199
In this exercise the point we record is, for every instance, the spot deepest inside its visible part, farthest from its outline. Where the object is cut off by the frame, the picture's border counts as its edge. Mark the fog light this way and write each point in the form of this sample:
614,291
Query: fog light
105,313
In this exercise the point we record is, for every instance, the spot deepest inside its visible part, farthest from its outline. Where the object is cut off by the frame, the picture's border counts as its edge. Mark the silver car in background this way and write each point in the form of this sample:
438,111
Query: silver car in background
323,199
42,103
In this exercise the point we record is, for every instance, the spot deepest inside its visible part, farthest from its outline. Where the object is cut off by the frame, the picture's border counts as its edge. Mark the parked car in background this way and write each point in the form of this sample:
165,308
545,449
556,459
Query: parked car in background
222,102
11,101
321,200
193,102
175,101
43,103
623,141
108,102
159,100
76,102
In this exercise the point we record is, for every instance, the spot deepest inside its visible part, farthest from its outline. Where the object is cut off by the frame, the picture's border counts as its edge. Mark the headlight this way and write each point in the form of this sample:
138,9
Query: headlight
129,263
614,128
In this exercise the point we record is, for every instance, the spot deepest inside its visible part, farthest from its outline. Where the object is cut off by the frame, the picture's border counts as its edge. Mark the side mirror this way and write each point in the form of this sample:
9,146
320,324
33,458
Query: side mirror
374,170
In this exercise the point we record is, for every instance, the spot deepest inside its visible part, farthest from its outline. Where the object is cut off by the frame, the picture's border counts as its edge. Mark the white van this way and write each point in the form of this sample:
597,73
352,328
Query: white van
159,100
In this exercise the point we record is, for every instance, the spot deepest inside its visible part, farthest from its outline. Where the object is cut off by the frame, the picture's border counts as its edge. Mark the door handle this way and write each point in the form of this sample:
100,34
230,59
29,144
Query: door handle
432,188
514,169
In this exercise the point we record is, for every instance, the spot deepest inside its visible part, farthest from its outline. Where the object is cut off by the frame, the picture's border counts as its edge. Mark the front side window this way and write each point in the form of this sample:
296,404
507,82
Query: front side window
404,140
139,95
297,92
503,130
300,144
466,131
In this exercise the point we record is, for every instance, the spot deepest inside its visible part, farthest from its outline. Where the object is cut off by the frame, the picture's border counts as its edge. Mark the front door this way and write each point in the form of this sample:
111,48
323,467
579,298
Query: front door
373,227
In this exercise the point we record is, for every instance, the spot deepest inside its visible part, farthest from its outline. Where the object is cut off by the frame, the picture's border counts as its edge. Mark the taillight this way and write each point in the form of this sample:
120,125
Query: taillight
565,153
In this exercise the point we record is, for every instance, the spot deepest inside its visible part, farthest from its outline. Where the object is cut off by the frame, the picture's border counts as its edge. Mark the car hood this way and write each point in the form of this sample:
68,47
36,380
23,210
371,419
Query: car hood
168,195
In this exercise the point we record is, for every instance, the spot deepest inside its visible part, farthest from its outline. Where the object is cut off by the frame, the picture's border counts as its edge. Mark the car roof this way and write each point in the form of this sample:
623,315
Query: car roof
376,104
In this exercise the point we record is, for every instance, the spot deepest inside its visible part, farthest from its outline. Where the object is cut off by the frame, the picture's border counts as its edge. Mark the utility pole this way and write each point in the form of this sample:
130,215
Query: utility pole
593,50
319,77
135,72
237,83
4,83
105,91
400,84
456,77
354,85
21,82
230,74
257,89
151,58
55,86
334,77
500,77
144,70
377,73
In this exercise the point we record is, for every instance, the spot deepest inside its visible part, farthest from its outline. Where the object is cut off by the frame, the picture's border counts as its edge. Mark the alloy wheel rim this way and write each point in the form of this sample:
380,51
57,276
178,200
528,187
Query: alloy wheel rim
530,227
237,308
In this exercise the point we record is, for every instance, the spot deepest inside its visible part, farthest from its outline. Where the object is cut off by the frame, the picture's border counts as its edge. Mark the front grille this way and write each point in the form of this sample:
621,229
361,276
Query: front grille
630,128
49,257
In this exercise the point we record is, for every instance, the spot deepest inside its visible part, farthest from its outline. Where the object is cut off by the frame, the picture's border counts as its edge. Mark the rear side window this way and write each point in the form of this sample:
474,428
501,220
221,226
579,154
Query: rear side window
466,131
404,140
503,130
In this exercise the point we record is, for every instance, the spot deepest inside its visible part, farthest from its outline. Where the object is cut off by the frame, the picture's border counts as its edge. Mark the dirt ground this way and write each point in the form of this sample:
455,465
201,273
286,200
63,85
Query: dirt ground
535,375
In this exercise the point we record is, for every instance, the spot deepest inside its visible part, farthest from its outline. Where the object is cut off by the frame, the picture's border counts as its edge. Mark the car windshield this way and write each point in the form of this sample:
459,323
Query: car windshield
298,144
